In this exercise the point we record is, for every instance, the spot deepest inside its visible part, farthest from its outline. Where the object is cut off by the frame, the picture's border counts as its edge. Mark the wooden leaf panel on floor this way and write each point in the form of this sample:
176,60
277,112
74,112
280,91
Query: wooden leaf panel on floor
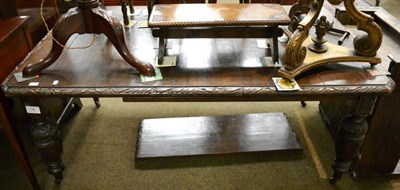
185,136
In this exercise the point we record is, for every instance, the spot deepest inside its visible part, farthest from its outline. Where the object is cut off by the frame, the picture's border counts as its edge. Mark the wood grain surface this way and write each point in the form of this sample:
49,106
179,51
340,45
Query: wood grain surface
187,136
206,70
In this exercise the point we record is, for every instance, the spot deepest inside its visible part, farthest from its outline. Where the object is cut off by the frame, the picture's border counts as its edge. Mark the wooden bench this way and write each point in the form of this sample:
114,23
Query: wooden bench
216,21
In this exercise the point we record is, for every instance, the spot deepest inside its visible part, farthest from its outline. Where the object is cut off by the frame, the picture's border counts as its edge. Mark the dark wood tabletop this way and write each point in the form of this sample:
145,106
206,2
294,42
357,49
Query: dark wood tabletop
206,68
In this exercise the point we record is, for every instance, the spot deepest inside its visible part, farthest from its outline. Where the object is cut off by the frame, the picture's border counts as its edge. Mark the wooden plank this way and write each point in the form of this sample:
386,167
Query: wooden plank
204,135
195,15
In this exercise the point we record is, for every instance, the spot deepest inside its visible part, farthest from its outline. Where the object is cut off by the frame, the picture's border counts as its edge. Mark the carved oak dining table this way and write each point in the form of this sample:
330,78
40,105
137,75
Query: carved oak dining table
206,70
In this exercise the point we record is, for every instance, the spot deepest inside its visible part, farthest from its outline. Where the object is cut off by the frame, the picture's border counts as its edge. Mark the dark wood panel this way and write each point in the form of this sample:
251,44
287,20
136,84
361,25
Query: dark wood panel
112,2
13,48
186,136
13,44
11,55
178,1
7,9
34,3
35,28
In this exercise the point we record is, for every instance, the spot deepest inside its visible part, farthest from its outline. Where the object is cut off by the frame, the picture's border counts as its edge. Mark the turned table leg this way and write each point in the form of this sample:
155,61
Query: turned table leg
162,45
46,138
275,51
351,135
124,12
131,8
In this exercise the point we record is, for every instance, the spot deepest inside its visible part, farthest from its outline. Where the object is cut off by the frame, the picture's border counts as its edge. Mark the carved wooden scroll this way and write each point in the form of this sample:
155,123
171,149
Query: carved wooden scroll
298,59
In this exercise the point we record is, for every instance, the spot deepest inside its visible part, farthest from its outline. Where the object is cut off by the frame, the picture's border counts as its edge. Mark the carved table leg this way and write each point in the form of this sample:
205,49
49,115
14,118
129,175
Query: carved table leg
46,137
88,17
377,2
131,9
162,44
97,101
352,131
275,51
124,12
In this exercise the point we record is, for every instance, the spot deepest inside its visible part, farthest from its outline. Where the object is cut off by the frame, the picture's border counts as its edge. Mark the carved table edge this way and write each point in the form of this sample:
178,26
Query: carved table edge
228,91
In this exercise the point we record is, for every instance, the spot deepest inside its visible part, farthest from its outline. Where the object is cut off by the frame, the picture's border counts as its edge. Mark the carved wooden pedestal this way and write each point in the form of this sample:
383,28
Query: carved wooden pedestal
298,59
88,17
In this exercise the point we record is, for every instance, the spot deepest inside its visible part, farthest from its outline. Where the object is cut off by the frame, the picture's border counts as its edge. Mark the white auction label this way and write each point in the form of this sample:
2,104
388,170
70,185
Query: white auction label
32,109
33,84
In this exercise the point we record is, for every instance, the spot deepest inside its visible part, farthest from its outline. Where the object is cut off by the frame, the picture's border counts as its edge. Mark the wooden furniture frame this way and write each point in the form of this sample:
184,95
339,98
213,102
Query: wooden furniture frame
221,21
222,78
380,152
13,36
36,29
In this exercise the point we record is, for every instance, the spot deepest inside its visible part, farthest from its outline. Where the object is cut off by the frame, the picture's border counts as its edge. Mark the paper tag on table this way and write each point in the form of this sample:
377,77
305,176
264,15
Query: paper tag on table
153,78
267,61
168,61
131,23
19,77
283,84
33,84
32,109
376,70
143,24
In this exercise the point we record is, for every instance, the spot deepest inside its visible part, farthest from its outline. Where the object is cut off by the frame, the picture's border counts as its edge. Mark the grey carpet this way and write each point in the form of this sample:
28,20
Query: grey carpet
100,144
